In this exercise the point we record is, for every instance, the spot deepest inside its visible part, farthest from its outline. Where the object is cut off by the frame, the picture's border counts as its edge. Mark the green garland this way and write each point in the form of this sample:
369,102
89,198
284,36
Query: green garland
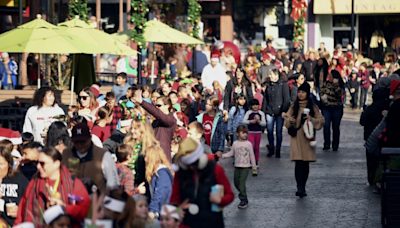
139,11
79,8
194,16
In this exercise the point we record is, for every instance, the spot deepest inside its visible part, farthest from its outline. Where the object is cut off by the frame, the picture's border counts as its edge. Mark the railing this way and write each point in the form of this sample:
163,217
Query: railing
106,79
12,117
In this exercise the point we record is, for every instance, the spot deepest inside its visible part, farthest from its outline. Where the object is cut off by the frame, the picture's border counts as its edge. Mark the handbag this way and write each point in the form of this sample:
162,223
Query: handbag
293,131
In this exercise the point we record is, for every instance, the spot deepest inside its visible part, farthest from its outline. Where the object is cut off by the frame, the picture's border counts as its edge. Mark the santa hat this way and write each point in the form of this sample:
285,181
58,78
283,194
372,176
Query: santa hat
354,70
349,55
25,225
377,65
308,129
96,89
266,56
190,152
53,213
113,204
126,123
279,65
394,86
181,119
169,210
214,58
13,136
272,55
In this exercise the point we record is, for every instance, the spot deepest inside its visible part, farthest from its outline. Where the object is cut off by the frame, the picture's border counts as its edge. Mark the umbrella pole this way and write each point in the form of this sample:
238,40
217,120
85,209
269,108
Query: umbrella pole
72,80
38,81
152,64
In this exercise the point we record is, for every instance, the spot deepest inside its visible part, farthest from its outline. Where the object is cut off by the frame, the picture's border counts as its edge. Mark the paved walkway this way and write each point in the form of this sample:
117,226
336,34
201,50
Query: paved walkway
338,195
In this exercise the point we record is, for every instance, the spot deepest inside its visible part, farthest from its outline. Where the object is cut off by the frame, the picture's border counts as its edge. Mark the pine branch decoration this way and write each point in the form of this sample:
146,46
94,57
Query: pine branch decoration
79,8
139,11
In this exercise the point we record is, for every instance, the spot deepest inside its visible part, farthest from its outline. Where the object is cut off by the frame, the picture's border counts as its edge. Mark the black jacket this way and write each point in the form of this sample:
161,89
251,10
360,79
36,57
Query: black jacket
353,84
308,69
230,95
116,138
276,98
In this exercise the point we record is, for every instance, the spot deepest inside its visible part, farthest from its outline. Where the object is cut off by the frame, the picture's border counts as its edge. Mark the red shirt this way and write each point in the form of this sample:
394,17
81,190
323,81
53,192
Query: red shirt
207,125
102,132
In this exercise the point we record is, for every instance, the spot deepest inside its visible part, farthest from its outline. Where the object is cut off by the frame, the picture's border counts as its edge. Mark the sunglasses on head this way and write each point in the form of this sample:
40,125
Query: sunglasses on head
83,98
159,105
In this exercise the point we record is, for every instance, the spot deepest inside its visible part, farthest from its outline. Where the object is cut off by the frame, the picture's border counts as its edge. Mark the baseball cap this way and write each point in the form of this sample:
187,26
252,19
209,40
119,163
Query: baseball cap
81,132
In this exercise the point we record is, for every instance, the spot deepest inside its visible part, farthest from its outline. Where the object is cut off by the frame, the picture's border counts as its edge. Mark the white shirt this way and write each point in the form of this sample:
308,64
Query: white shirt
210,74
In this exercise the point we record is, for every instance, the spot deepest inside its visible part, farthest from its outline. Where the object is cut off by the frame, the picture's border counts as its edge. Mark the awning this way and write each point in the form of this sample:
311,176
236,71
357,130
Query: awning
360,6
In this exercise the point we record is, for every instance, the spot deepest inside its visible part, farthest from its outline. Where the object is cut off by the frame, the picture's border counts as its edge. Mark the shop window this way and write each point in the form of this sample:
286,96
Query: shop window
342,20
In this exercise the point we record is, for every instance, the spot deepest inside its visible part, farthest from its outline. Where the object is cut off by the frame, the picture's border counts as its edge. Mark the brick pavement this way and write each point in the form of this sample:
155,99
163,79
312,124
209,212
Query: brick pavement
338,195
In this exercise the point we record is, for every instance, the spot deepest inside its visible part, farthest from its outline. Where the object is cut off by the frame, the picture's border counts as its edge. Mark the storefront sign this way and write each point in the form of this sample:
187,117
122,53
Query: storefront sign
360,6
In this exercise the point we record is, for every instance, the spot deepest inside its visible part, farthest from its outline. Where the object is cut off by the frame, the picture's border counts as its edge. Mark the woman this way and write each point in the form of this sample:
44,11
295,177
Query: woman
320,75
87,105
58,136
101,126
39,196
301,150
298,81
239,84
165,122
276,103
185,107
332,108
159,175
39,117
123,216
229,60
13,185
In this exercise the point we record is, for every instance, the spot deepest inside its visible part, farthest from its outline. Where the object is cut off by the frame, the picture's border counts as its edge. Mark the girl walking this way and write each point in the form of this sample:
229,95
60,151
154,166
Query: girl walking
236,115
301,150
101,126
244,159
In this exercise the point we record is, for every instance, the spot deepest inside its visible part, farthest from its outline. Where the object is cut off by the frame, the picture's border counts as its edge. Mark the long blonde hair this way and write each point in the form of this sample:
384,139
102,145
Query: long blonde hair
155,156
148,139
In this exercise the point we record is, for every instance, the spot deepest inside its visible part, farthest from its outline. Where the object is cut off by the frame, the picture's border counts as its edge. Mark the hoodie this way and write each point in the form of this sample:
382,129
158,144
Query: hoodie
218,132
160,188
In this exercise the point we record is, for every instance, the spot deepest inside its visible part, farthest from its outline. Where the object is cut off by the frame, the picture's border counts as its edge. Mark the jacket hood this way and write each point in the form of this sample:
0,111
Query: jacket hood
163,168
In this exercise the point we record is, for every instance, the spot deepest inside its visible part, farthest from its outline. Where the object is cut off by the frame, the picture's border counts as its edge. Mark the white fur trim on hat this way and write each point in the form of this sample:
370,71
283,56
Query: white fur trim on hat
308,129
178,122
52,213
194,156
171,211
214,59
25,225
113,204
15,153
126,123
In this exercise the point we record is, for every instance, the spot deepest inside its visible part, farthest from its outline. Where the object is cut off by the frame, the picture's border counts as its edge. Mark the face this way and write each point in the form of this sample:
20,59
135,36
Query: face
362,68
320,62
376,69
239,74
241,101
136,133
301,95
209,106
111,103
84,99
255,107
142,209
242,135
183,93
334,61
183,107
267,61
128,93
300,80
321,45
30,154
3,167
192,133
312,55
174,98
214,63
154,97
49,99
274,77
146,94
121,80
160,105
169,222
82,146
166,89
62,222
46,166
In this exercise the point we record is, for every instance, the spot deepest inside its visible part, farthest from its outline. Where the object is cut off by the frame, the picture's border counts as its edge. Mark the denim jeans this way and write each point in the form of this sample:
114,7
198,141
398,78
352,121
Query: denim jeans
332,115
131,80
345,96
270,129
317,89
363,97
8,87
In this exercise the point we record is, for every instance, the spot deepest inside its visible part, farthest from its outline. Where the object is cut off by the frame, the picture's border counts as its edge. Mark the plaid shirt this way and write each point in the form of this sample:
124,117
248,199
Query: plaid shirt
117,113
126,179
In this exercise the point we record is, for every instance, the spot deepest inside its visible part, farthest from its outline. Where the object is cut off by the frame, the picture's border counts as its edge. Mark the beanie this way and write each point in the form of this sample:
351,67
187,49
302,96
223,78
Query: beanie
306,88
335,74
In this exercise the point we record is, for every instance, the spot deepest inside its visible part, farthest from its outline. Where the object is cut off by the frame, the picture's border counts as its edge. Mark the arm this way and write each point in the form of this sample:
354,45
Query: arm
173,69
263,121
230,153
221,132
21,207
110,171
246,117
223,180
227,96
79,211
162,190
129,185
288,115
28,124
166,120
318,120
230,120
252,157
259,75
286,98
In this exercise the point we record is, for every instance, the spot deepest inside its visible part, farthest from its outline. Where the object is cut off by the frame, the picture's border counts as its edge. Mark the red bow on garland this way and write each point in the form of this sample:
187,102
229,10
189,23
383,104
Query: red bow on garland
297,9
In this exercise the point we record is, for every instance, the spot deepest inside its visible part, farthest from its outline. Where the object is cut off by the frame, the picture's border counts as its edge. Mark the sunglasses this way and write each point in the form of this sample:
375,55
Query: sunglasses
83,98
159,105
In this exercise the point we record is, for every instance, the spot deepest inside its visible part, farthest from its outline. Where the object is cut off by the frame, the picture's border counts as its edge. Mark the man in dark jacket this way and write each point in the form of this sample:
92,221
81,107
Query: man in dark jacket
263,71
117,137
308,68
201,60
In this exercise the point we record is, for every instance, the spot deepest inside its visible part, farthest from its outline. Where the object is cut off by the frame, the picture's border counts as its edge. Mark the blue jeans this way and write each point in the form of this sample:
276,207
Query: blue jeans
270,129
131,80
8,87
317,89
332,115
363,97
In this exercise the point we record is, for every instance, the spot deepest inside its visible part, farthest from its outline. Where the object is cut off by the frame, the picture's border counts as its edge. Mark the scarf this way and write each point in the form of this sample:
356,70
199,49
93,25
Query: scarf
136,151
37,197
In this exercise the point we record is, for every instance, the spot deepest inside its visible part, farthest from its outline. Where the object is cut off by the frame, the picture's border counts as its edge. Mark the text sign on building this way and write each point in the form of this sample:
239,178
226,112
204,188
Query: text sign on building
360,6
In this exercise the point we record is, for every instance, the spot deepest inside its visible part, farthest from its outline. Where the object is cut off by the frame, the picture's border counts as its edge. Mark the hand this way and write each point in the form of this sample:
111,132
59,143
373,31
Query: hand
12,212
292,119
215,198
352,90
283,114
141,188
225,112
254,170
151,215
384,112
137,98
335,81
308,118
359,79
54,201
218,154
253,121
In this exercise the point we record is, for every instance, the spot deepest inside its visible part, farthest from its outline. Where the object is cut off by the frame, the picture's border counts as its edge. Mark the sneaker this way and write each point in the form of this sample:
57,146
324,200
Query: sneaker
243,204
254,172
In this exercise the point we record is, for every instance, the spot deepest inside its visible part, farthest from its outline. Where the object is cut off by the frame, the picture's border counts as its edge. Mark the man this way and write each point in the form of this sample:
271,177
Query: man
10,80
30,154
213,72
121,87
201,60
338,50
308,69
269,47
95,164
263,71
323,53
349,48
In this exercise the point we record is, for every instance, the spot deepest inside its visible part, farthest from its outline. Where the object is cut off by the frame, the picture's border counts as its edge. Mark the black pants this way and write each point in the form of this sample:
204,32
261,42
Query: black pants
301,170
332,115
354,99
363,97
372,166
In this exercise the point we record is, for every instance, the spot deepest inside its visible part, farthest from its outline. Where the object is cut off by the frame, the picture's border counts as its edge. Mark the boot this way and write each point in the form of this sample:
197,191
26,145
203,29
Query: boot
278,152
271,150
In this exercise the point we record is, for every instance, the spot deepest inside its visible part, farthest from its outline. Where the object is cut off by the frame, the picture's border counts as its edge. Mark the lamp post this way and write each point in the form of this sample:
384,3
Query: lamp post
352,26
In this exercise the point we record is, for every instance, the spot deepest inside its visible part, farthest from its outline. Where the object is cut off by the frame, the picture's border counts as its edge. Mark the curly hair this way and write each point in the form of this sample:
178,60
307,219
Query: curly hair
38,97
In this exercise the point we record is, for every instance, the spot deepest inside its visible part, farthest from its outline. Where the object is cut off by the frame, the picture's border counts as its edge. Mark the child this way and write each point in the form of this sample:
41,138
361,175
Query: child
182,121
117,137
56,216
176,141
213,125
142,213
146,93
195,131
183,94
353,85
236,115
27,137
255,120
121,87
124,155
174,100
244,158
101,126
170,217
71,110
116,110
218,91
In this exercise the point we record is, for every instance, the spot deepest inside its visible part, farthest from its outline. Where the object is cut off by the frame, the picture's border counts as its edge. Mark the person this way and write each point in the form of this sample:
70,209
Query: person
363,73
255,121
320,75
213,125
218,91
166,88
27,137
142,218
244,159
236,115
239,84
165,122
269,47
56,217
13,185
159,176
121,88
332,108
183,94
117,137
101,126
146,93
376,75
173,96
201,60
115,109
3,72
120,208
299,79
323,53
58,136
302,151
9,81
192,162
39,116
213,71
90,157
198,104
185,107
308,68
229,60
263,71
353,85
275,105
170,217
80,119
39,196
30,154
182,121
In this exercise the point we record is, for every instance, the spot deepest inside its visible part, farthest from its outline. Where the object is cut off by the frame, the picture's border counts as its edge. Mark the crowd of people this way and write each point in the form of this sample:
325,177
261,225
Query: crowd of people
143,157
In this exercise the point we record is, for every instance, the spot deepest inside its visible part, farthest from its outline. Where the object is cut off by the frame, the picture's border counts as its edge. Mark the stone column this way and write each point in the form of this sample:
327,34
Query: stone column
226,22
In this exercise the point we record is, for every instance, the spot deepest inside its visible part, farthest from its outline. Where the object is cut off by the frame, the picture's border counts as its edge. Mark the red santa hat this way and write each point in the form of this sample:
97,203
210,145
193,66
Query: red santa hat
13,136
266,56
214,58
349,55
395,85
181,119
96,89
279,65
377,65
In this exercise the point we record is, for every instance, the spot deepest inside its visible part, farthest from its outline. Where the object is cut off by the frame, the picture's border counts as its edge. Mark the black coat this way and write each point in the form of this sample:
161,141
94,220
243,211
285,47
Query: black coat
276,98
308,69
230,95
353,84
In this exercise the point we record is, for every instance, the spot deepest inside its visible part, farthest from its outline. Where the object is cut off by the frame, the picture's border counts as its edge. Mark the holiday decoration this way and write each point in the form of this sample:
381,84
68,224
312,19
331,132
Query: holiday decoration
139,20
194,11
79,8
299,14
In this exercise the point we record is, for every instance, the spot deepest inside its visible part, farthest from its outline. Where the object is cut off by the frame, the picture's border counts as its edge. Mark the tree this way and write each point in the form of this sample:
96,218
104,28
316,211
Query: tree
79,8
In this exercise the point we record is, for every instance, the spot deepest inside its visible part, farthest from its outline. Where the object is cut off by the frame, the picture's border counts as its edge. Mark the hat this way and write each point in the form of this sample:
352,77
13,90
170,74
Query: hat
278,64
306,88
16,154
169,210
25,225
219,44
113,204
335,74
181,119
266,56
13,136
394,86
189,152
53,213
214,58
377,65
354,70
96,89
383,82
4,55
126,123
349,55
80,132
